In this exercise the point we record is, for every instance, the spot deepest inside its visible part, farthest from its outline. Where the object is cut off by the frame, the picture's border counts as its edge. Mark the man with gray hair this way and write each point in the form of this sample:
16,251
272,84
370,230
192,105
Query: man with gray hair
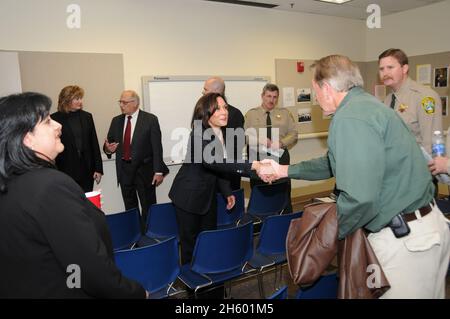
135,138
383,180
216,84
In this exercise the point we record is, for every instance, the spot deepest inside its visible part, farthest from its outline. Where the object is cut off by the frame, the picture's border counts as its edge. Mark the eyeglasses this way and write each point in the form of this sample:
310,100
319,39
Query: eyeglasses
125,102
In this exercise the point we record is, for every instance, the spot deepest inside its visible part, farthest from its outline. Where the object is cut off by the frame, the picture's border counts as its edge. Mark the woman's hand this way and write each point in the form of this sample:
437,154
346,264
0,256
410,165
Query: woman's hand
231,200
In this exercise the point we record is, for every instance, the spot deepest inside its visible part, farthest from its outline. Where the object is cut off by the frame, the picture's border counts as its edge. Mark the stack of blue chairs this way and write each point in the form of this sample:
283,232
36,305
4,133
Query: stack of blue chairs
155,267
271,247
266,200
125,228
219,256
161,224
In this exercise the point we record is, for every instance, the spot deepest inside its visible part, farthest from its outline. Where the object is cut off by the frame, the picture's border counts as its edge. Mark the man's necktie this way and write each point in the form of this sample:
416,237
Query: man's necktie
269,126
127,141
393,102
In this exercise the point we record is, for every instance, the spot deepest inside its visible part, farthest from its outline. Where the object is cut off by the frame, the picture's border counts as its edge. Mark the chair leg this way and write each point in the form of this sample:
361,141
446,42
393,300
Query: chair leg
276,277
280,278
227,290
262,294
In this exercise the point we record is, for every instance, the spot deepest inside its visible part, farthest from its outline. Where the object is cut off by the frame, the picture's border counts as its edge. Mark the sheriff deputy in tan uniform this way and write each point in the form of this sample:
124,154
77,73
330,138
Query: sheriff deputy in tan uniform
419,106
276,129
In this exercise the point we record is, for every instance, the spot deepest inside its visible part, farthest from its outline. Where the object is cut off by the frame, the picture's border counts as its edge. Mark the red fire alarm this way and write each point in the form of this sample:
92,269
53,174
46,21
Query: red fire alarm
300,66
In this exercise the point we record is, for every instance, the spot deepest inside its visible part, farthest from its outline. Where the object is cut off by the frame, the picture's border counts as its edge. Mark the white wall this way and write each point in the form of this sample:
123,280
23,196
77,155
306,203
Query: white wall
418,31
10,73
178,37
192,37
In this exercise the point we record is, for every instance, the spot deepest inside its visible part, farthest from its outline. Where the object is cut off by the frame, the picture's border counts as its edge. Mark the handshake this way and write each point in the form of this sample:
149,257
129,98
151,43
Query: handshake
269,170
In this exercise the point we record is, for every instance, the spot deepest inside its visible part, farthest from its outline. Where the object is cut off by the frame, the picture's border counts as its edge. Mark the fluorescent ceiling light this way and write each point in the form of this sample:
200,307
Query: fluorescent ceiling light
335,1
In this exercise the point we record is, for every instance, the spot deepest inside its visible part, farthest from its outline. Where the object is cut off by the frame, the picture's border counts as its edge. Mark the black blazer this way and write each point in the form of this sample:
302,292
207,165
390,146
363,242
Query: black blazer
47,224
146,147
68,161
235,120
199,179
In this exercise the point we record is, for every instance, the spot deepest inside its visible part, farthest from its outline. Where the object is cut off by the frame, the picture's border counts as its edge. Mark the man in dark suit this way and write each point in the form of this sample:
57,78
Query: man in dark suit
135,137
216,84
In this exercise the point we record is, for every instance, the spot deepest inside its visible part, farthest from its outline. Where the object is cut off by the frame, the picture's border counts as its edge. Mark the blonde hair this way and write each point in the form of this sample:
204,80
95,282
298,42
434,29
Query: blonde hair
66,96
339,71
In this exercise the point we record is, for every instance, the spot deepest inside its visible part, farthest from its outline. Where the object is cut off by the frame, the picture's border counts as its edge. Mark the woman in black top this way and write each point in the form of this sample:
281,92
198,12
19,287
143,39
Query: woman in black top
53,242
81,158
194,189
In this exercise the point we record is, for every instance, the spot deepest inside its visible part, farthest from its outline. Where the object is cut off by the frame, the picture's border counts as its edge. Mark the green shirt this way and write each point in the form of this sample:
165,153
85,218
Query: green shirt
379,168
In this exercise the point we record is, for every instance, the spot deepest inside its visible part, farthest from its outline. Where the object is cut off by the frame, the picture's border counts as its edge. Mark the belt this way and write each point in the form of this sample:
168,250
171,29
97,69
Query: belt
425,210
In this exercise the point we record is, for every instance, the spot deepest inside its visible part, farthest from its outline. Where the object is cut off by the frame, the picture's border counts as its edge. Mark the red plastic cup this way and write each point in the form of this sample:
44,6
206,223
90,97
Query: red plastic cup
95,198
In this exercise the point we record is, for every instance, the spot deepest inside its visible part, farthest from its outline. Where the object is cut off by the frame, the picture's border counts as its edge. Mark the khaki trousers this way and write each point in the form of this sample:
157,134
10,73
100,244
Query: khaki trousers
415,265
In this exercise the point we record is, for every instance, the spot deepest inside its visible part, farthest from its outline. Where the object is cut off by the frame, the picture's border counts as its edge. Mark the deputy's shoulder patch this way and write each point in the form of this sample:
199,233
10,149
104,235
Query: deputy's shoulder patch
429,104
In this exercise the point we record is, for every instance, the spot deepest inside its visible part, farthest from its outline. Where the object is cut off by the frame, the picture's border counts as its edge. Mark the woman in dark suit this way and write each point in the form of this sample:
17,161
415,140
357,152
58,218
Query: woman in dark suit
194,189
53,242
81,158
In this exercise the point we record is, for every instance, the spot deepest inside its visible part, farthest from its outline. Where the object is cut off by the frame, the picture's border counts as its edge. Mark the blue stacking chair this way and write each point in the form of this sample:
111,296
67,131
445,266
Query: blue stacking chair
326,287
444,205
155,267
229,218
219,256
271,246
266,200
281,293
125,228
161,224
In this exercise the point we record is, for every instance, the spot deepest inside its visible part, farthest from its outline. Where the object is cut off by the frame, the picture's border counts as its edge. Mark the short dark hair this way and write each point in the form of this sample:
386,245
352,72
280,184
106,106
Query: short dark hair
398,54
271,88
205,108
19,114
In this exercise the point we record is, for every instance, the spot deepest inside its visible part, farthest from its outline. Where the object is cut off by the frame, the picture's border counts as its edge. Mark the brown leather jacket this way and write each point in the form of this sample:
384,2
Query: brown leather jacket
312,243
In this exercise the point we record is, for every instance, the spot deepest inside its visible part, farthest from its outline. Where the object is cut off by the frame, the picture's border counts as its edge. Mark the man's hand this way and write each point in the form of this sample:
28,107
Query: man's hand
438,165
264,171
157,179
110,147
97,177
271,170
231,200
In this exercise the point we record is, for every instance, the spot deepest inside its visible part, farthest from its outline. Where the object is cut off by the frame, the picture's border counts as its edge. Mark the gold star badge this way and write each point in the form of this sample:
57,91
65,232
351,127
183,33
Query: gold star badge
402,108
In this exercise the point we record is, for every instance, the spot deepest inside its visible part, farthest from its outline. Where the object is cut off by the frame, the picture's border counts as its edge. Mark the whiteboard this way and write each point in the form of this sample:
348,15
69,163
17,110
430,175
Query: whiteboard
172,99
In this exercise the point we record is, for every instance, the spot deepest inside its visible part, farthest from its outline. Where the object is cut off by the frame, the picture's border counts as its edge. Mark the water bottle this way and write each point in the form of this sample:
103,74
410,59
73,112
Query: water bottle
438,144
438,149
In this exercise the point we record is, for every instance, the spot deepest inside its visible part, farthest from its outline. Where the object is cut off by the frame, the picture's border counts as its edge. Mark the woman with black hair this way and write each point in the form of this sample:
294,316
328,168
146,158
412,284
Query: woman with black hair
194,189
53,242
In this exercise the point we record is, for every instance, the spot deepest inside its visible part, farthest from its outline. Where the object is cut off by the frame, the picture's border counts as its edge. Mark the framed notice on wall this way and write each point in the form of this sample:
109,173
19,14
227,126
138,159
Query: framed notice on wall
423,74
